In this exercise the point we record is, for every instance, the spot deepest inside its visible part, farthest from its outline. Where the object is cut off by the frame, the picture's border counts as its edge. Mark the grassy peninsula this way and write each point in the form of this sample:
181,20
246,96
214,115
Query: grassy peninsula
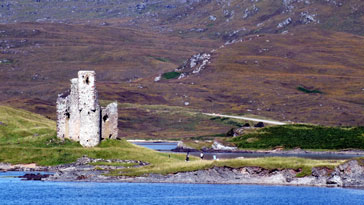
26,137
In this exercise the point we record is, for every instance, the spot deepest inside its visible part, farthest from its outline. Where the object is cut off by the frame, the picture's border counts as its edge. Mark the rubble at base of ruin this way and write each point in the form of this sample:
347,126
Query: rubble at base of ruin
79,115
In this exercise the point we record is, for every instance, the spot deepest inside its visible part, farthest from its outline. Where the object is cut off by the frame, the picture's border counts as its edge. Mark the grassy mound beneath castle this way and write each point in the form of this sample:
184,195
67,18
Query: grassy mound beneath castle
30,138
303,136
26,137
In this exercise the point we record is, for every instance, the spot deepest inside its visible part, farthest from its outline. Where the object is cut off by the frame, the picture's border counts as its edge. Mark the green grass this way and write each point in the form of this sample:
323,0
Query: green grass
228,121
161,59
303,166
171,75
30,138
20,126
303,136
305,90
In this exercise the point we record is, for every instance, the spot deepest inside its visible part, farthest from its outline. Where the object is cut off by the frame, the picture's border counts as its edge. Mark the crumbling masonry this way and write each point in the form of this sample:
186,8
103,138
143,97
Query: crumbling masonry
79,115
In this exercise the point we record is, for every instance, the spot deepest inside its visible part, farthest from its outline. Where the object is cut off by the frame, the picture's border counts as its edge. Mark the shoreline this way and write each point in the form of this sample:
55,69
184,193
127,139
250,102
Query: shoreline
347,175
277,152
328,155
293,151
129,180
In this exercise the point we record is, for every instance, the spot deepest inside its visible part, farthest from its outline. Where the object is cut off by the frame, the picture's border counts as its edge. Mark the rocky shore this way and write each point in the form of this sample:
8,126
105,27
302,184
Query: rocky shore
349,174
7,167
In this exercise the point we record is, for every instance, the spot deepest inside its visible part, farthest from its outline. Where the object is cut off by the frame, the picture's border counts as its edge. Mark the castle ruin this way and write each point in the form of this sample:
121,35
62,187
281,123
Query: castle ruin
79,115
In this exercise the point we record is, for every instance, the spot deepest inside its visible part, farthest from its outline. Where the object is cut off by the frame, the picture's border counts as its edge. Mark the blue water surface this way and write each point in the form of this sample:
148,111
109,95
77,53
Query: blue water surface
16,191
158,146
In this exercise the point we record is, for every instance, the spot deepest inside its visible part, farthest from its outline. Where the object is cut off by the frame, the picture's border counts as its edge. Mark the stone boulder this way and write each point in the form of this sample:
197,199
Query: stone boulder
218,146
349,174
259,125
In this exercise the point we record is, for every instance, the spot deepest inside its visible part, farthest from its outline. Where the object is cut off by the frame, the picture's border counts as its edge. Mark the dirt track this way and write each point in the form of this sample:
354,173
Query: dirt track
272,122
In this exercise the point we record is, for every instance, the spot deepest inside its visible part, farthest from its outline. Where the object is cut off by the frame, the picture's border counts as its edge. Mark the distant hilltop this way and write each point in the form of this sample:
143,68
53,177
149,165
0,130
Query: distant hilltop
210,18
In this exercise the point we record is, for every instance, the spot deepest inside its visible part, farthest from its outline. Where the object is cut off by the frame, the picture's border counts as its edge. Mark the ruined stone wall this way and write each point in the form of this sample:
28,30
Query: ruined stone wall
62,105
74,121
79,115
109,118
89,109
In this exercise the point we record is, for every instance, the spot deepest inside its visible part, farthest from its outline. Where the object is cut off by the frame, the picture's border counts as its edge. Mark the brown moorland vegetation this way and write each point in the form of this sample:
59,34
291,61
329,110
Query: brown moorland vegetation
307,71
309,76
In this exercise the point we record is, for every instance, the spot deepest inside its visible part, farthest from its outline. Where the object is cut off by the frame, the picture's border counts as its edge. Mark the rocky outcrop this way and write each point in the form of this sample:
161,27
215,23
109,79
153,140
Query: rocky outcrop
34,177
284,23
227,175
349,174
84,170
194,65
218,146
6,167
259,125
181,147
233,132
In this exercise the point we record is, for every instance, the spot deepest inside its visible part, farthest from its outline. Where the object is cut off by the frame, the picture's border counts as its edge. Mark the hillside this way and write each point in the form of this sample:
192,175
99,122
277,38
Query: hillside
302,76
294,60
37,60
225,19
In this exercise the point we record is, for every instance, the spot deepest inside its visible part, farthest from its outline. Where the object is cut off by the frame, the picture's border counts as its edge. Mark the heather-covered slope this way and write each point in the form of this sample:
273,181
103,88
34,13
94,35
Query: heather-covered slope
302,76
204,18
295,60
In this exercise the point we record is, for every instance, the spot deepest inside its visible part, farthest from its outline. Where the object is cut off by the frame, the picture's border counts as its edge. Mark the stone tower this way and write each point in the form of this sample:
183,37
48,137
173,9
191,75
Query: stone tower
79,115
89,108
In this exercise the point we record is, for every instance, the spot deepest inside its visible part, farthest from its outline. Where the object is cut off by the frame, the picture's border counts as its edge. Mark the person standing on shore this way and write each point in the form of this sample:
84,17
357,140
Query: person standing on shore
188,156
201,155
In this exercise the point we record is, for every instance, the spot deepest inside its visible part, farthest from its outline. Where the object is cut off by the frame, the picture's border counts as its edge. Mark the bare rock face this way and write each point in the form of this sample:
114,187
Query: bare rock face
194,65
218,146
349,174
79,113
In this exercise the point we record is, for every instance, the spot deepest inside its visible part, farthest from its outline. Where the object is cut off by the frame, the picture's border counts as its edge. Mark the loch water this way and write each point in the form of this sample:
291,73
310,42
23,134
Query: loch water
168,146
15,191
